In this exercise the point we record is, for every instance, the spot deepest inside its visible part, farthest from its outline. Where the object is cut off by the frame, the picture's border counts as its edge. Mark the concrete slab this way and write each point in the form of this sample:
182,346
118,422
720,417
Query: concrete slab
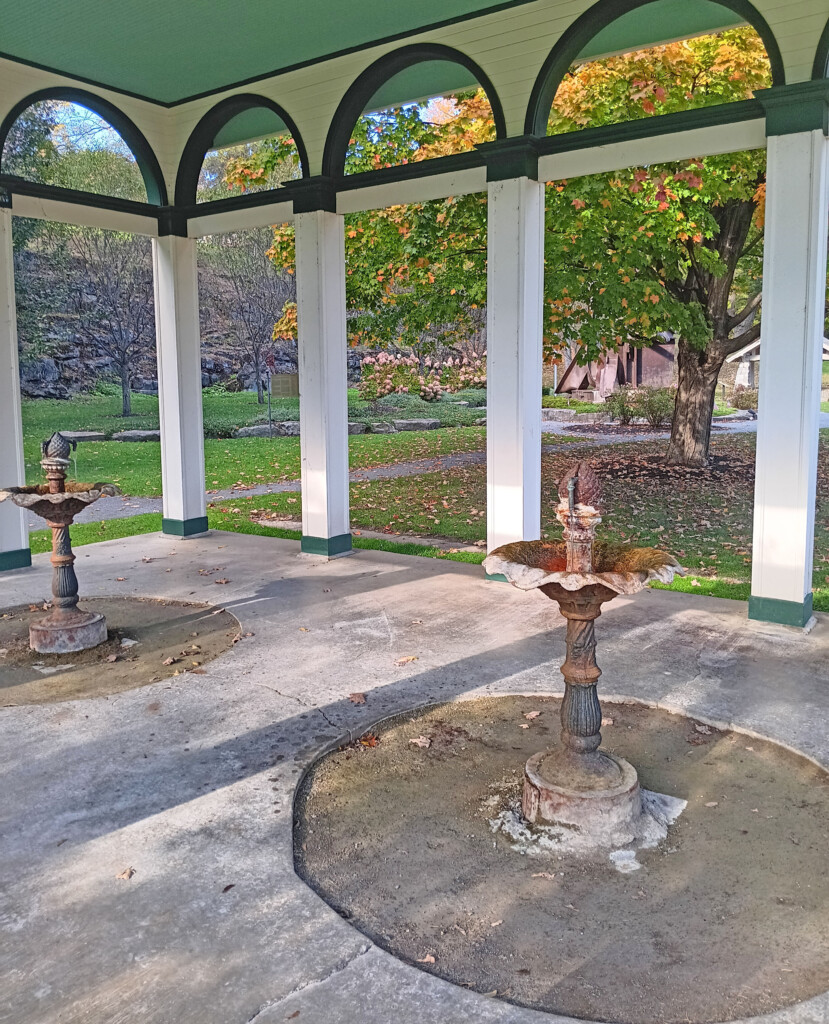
190,781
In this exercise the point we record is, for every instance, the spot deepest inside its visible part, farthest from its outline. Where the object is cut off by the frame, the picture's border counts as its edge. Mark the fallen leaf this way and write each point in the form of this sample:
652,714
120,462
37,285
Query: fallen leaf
128,642
112,657
169,661
428,959
222,580
406,660
292,1016
126,874
227,888
304,629
421,741
695,583
704,729
713,803
531,714
357,698
543,874
120,579
495,924
607,720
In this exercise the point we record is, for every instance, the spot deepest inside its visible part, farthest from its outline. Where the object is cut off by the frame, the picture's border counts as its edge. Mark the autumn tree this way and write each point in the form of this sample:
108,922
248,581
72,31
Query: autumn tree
628,255
676,247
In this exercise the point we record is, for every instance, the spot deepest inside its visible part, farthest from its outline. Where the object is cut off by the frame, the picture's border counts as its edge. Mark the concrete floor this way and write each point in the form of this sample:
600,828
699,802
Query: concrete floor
190,781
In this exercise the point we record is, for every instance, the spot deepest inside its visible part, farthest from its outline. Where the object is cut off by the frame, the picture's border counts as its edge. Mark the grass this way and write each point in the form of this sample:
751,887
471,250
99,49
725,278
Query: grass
225,413
136,468
563,402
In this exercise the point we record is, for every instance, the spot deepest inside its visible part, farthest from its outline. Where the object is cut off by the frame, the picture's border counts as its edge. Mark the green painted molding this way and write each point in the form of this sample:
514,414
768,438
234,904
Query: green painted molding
184,527
20,559
329,547
495,577
786,613
310,194
510,158
802,107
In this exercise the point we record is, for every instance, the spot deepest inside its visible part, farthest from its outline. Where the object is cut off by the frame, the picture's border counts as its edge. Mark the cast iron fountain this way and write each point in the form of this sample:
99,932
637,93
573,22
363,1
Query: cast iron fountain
578,785
68,628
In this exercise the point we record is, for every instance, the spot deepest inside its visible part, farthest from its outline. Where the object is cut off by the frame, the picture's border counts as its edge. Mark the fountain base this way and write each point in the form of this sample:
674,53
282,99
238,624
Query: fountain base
64,634
597,794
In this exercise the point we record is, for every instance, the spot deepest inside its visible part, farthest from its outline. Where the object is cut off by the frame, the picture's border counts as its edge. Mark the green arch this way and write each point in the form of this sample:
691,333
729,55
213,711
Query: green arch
594,20
139,147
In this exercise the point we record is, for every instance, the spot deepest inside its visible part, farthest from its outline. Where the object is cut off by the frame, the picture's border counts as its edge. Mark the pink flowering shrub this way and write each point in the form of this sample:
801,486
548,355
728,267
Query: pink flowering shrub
387,374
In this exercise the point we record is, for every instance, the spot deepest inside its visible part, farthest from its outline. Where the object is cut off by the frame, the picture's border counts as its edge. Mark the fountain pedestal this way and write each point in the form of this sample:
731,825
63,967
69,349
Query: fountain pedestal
68,628
577,785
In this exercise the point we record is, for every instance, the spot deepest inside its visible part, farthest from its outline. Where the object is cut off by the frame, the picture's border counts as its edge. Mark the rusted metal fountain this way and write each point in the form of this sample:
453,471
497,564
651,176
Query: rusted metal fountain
68,628
578,785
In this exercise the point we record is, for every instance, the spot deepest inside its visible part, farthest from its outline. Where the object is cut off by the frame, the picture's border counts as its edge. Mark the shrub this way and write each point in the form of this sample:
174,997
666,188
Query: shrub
656,405
387,374
106,388
745,398
621,405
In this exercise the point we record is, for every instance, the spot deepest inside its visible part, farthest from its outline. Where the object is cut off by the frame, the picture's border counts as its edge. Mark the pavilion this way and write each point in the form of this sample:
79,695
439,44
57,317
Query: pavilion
176,79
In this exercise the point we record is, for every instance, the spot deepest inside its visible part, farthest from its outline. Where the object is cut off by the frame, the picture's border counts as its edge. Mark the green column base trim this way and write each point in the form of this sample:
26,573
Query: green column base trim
496,577
327,546
786,613
184,527
20,559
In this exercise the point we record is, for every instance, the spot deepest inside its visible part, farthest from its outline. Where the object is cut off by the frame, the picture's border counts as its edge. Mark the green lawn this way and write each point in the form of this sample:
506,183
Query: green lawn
136,467
225,413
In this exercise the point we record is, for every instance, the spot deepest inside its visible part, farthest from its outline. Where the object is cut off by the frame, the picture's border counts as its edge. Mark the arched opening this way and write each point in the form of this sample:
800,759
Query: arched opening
416,103
244,144
620,27
76,140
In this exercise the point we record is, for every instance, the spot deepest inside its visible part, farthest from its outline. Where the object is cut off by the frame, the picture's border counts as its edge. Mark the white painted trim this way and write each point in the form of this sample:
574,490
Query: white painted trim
515,291
414,190
794,295
323,387
178,349
240,220
84,216
697,142
14,533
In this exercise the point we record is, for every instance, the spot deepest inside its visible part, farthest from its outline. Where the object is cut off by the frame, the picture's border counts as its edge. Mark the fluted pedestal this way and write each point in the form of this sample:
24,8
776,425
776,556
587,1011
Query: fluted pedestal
577,784
68,628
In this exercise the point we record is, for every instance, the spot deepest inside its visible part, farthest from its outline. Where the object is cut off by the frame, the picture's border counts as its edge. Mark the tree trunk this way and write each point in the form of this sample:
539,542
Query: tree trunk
695,398
126,395
260,389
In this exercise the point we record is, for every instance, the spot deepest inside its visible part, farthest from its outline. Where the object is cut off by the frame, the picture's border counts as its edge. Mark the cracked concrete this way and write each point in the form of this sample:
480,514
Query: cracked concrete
190,781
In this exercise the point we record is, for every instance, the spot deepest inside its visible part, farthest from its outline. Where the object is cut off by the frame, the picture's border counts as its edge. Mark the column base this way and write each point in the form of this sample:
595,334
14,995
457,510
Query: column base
20,559
184,527
328,547
785,613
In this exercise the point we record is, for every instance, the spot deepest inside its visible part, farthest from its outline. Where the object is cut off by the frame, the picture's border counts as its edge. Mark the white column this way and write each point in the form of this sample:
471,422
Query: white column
794,293
323,397
178,347
14,534
515,291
